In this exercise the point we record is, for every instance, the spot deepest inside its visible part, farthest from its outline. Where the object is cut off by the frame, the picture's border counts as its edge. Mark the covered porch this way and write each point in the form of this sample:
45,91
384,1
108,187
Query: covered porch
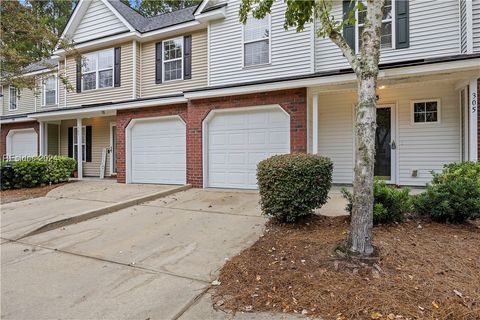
89,136
423,122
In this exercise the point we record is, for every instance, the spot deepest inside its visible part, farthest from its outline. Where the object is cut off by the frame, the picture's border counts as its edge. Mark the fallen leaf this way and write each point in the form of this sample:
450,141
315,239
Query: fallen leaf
376,315
258,278
458,293
435,305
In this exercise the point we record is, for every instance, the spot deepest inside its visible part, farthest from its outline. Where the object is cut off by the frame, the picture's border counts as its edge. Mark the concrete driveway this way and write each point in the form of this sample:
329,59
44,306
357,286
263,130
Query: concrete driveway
150,261
71,200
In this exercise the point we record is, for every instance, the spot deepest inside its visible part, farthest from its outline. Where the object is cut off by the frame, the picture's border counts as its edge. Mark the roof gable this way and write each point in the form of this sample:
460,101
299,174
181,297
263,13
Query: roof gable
93,19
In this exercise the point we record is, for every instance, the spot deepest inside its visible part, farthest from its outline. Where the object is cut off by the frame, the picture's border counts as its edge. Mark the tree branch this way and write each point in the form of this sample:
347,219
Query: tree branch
347,51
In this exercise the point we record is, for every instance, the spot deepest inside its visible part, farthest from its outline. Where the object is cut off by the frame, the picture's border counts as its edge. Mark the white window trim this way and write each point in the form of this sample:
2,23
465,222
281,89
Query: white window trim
394,28
10,98
431,123
257,40
97,70
84,142
176,59
44,104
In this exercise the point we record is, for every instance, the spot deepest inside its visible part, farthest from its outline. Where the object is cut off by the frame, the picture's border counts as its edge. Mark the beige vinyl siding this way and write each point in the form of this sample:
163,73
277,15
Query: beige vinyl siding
422,147
124,92
138,75
98,21
199,68
25,101
100,140
52,143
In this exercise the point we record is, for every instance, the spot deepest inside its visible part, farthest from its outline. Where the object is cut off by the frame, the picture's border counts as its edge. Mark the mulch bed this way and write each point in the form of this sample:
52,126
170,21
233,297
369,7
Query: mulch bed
425,270
14,195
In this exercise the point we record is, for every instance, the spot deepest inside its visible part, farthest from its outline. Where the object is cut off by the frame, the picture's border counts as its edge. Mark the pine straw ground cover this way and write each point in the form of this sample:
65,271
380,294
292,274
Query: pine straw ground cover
13,195
425,270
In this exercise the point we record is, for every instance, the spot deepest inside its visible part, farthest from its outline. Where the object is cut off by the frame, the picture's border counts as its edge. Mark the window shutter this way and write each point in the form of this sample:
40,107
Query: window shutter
187,57
88,144
116,65
402,32
79,75
158,62
348,30
70,142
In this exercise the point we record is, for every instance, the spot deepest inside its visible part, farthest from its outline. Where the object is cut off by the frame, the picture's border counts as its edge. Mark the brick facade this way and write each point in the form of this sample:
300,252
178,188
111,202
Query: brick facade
294,102
5,129
125,116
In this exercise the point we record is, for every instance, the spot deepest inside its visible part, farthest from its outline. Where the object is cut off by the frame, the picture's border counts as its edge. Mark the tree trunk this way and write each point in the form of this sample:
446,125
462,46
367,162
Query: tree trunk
360,239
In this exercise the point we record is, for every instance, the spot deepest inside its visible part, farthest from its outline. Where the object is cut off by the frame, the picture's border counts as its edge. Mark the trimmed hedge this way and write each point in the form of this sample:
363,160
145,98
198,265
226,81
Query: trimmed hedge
292,185
389,204
36,171
453,195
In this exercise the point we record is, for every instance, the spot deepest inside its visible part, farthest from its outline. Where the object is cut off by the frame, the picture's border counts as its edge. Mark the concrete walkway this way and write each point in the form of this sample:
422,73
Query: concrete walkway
71,200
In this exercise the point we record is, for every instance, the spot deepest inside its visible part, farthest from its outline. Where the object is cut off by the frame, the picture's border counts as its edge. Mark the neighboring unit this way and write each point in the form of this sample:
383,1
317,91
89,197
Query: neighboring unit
194,96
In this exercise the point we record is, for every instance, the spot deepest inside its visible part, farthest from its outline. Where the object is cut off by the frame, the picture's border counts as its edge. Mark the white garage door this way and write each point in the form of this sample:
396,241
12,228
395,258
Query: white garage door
238,141
158,151
22,142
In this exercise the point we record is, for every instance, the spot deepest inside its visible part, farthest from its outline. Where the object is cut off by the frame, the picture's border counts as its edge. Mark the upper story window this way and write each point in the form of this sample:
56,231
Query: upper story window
256,41
387,31
98,70
173,59
13,97
49,91
426,111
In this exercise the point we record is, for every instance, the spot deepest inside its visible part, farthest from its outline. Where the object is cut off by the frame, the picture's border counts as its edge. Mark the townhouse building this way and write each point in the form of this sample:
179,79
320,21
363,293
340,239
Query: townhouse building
196,97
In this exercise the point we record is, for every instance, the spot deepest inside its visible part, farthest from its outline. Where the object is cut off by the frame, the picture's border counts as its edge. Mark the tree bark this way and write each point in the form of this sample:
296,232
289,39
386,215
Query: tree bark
361,226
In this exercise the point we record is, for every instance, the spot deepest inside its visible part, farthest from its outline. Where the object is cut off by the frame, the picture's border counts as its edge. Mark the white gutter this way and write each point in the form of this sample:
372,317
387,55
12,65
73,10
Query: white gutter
107,109
409,71
16,120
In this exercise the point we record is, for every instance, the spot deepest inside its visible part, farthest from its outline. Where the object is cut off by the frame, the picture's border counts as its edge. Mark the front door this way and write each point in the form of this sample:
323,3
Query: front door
385,144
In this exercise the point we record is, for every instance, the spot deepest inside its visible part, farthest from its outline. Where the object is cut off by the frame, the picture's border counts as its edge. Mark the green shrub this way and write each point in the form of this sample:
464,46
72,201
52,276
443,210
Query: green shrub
389,205
36,171
453,195
292,185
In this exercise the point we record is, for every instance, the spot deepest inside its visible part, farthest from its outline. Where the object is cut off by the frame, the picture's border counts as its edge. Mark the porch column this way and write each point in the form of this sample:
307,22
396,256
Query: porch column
41,135
79,149
473,125
315,124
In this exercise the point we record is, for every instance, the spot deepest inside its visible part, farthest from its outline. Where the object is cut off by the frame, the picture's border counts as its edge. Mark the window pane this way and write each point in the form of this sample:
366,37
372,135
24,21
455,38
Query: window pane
50,83
419,117
387,10
105,59
419,107
13,98
431,117
431,106
89,63
105,78
362,14
173,70
386,40
256,53
172,49
256,29
89,81
50,97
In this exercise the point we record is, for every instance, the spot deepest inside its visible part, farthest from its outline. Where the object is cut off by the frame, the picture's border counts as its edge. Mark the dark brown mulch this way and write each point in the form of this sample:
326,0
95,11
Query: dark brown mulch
425,270
14,195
